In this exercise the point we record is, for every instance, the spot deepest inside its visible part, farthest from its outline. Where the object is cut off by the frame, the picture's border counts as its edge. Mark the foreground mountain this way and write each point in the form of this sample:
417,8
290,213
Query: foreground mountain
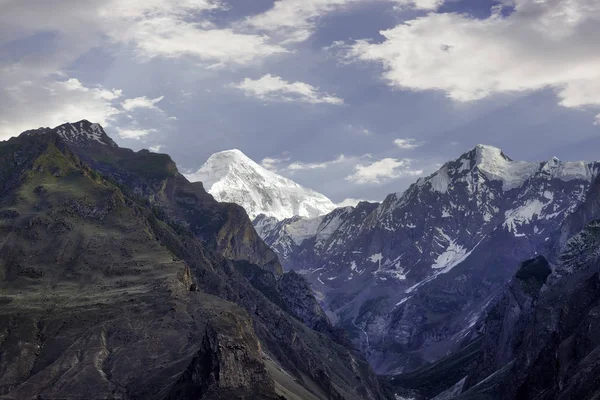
232,177
409,277
121,279
539,339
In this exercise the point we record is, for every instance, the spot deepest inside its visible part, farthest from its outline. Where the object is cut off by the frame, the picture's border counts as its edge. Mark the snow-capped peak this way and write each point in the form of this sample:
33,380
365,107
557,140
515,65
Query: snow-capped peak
496,166
231,176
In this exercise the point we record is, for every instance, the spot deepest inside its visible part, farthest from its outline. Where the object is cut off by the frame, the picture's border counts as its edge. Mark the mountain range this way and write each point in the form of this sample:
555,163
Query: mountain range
121,279
409,277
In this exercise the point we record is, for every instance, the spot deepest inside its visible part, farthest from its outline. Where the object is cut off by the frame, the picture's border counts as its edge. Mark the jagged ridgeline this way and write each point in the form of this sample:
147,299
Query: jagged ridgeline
121,279
410,277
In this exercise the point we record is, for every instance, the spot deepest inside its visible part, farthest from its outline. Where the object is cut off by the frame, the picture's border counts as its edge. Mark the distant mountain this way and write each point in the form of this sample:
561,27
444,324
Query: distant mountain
230,176
410,276
121,279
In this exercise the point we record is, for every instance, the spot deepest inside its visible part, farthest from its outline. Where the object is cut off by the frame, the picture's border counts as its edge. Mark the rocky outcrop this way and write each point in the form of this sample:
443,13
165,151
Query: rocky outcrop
300,300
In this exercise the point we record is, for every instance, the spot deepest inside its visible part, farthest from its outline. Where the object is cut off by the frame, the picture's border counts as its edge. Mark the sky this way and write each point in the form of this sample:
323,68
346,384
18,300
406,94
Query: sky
353,98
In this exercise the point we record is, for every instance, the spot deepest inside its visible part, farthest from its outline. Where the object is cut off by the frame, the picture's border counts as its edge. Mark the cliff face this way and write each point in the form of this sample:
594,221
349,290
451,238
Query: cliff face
120,279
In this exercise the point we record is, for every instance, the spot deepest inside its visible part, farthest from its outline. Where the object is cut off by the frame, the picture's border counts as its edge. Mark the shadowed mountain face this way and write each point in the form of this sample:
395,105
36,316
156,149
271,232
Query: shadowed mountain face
410,276
120,279
539,338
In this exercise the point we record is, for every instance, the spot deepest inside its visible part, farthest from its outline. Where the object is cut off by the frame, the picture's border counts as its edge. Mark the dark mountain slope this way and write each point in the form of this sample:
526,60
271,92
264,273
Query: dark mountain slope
93,305
223,228
107,290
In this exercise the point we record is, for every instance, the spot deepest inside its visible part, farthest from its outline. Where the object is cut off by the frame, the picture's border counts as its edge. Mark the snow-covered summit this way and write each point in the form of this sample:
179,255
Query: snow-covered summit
497,166
231,176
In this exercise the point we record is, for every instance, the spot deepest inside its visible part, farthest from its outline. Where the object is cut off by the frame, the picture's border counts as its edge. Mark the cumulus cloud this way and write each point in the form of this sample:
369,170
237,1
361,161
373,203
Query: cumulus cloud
153,28
541,44
171,29
141,102
299,166
135,134
34,89
296,20
32,104
156,148
274,88
382,170
407,144
273,163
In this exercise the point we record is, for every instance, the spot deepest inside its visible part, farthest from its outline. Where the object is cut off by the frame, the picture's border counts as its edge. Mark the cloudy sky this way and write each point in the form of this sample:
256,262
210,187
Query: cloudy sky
354,98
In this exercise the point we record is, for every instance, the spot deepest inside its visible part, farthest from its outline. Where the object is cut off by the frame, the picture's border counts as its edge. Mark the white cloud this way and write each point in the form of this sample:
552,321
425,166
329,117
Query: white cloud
420,4
407,144
296,20
273,163
359,130
152,28
299,166
170,38
274,88
171,29
156,148
549,43
135,134
141,102
382,170
350,202
32,104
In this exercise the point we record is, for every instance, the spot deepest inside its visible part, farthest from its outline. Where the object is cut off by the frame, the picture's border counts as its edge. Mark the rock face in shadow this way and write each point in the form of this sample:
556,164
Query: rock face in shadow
120,279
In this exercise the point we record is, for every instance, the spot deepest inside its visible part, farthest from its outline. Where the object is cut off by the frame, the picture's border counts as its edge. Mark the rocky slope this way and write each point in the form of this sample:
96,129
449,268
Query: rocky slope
410,276
230,176
120,279
539,339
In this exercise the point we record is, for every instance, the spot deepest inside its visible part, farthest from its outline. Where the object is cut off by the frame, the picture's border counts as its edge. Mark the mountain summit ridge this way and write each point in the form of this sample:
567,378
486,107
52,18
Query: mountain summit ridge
231,176
81,133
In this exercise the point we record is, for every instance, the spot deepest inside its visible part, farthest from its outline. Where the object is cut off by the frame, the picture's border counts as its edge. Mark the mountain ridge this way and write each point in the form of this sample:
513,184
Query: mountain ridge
440,250
120,278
